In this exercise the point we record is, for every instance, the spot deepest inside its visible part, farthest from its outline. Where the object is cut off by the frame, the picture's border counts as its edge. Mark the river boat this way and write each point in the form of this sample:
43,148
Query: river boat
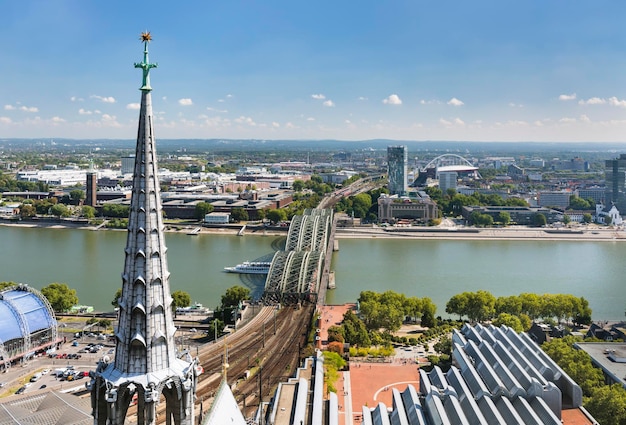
250,267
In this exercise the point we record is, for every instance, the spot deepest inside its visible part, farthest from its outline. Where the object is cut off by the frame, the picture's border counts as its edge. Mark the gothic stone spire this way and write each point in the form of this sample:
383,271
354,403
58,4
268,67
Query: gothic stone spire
146,362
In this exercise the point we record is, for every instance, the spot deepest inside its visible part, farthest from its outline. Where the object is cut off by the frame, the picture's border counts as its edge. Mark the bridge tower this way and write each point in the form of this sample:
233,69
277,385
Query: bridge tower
146,365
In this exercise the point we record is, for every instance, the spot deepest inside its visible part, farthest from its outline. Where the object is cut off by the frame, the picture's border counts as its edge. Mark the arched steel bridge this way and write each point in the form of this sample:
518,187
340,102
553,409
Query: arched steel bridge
298,273
449,160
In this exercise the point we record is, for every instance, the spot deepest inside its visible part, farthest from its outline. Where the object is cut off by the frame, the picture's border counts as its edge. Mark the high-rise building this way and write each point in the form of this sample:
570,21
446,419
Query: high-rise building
615,177
146,365
128,164
397,163
448,180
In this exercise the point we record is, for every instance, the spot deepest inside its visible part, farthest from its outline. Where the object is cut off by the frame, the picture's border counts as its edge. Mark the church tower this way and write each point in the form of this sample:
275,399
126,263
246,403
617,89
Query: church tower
147,366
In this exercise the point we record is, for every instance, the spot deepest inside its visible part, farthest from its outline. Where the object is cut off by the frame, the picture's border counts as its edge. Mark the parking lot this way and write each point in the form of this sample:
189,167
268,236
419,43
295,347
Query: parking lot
65,369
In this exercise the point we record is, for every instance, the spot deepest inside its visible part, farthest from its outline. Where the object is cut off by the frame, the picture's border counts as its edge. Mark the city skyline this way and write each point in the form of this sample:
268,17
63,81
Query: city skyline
481,71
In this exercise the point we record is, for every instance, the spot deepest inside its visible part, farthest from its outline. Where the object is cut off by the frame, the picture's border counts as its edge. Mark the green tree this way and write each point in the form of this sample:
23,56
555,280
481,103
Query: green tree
60,210
60,296
276,215
298,185
354,330
234,295
116,298
538,220
509,320
239,214
607,220
115,210
76,196
587,218
361,204
458,305
335,333
608,405
180,299
202,209
504,218
104,323
88,211
216,327
27,211
566,219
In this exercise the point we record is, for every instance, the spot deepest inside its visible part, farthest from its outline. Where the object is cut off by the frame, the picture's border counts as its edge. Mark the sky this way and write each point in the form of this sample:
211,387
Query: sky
454,70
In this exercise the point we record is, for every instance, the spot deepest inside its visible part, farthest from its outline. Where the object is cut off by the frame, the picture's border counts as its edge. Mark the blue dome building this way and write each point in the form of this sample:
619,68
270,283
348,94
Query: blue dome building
27,323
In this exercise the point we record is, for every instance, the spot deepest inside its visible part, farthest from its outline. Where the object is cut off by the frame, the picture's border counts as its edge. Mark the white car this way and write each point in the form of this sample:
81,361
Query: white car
45,371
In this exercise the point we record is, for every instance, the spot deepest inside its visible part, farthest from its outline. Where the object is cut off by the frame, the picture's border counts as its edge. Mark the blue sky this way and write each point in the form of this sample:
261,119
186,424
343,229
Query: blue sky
500,70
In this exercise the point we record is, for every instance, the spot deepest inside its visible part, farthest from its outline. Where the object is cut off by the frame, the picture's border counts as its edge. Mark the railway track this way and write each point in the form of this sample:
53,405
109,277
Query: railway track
268,347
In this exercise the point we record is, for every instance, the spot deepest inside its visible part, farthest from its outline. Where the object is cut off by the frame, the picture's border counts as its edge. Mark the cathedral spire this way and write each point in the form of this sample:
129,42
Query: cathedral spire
147,366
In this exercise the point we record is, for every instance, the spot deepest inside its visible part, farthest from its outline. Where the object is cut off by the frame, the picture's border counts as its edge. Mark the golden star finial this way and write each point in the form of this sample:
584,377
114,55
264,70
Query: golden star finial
145,36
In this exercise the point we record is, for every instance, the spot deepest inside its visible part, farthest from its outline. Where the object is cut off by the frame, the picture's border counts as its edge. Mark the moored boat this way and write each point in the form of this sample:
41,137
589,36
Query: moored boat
250,267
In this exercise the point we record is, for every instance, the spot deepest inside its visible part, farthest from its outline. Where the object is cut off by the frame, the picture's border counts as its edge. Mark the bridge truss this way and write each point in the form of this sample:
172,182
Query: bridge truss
295,274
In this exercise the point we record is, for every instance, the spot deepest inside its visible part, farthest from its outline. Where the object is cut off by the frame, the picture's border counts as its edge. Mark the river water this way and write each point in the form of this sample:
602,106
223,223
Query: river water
92,262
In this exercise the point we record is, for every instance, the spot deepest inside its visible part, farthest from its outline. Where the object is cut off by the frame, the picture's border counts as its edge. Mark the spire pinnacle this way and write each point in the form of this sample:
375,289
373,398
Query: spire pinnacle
146,38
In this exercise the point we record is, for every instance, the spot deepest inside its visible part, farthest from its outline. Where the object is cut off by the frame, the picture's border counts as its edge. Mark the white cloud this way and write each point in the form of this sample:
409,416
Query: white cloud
459,121
164,98
567,120
362,98
185,102
538,123
133,106
9,107
348,122
444,122
455,102
329,103
245,120
57,120
430,102
5,120
515,105
291,125
275,124
568,96
105,99
82,111
76,99
221,111
613,101
393,99
592,101
310,119
516,123
584,118
29,109
318,96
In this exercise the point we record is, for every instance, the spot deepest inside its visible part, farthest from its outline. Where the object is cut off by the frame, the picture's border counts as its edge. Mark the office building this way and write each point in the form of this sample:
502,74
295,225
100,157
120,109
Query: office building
615,176
397,164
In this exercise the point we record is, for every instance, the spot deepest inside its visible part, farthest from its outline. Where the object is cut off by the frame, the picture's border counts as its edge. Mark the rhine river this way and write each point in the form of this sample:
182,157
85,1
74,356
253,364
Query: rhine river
92,262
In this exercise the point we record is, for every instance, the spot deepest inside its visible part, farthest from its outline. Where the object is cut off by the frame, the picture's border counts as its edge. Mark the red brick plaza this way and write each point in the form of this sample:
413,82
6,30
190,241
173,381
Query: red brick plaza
365,384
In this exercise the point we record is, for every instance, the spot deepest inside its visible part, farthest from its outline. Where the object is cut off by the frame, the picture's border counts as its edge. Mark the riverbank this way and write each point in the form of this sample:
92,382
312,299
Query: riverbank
590,233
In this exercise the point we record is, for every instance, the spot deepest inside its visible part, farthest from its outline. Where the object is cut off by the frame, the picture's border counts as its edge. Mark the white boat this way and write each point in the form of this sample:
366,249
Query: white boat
250,267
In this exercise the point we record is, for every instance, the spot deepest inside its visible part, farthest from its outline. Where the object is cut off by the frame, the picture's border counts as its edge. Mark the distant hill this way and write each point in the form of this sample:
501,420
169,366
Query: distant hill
225,145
